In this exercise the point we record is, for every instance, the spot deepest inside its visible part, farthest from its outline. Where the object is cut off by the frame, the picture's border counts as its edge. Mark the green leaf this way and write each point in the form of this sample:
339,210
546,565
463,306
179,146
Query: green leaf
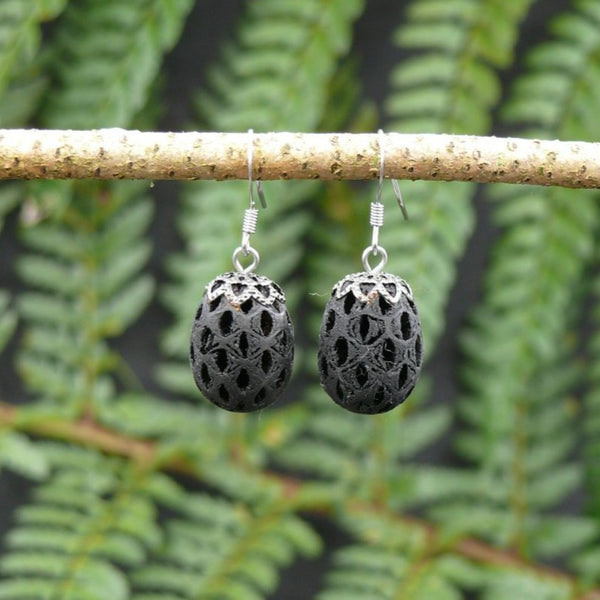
506,585
123,308
561,535
21,455
8,320
105,57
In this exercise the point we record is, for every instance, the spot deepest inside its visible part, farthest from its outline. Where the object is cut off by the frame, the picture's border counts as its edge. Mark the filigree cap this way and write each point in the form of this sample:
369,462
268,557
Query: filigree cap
366,287
239,287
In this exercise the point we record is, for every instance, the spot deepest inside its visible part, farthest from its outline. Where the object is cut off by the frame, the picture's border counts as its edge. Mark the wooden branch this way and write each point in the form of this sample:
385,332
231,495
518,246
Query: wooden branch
145,451
121,154
84,432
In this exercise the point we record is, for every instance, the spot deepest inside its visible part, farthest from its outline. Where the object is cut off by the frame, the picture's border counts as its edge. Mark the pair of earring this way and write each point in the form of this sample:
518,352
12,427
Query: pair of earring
370,343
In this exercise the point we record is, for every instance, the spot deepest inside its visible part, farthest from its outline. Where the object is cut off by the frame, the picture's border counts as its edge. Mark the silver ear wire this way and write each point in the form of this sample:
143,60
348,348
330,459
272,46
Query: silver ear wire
250,216
395,184
376,215
258,182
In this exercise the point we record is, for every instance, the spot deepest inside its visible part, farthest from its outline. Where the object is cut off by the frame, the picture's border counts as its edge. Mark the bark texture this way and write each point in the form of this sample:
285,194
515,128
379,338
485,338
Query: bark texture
121,154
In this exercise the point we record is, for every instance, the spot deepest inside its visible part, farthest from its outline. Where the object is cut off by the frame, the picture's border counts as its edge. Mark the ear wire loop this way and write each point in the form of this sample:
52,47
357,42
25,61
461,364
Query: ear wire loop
377,213
250,216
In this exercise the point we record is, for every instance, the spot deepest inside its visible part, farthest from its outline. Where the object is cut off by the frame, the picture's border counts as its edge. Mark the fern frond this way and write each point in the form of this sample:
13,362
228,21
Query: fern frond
363,571
423,250
105,57
459,45
506,585
88,272
343,447
91,518
275,76
178,429
19,36
21,85
397,558
218,549
519,373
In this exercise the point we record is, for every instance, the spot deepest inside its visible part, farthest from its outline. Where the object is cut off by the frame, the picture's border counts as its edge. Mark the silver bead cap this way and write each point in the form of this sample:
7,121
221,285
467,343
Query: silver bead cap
367,287
239,287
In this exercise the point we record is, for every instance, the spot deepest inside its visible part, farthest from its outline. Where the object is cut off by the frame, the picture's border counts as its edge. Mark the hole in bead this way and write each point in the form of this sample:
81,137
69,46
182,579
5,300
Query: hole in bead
403,375
244,344
330,322
205,375
384,305
225,322
238,288
379,395
221,359
405,327
363,327
418,349
223,393
283,340
198,312
243,379
192,353
281,378
260,396
349,302
361,375
266,323
367,328
206,338
266,361
246,306
388,352
339,391
214,304
390,288
324,367
341,351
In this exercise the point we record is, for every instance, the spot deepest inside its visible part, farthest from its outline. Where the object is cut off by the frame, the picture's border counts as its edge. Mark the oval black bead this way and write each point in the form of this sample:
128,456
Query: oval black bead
370,344
242,342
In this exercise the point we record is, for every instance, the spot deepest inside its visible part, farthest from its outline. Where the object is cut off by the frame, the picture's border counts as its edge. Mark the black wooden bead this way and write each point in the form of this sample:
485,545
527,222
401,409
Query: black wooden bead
370,345
242,343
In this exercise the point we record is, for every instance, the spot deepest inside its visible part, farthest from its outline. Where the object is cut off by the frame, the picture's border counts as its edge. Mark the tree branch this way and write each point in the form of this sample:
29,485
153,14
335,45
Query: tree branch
121,154
94,435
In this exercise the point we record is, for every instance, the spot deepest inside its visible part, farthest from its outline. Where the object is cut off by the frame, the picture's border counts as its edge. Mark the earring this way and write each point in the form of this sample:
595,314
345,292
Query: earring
242,342
370,343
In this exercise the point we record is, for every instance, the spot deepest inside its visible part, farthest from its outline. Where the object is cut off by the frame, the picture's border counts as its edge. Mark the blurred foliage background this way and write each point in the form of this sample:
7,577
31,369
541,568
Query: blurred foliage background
120,481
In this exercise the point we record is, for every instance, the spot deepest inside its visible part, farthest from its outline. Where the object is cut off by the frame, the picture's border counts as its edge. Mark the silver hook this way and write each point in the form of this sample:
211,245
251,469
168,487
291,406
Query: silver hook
259,187
395,184
376,216
250,217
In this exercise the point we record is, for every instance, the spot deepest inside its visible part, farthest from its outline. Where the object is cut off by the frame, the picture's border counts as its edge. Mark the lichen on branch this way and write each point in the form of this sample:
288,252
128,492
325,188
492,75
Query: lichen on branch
123,154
